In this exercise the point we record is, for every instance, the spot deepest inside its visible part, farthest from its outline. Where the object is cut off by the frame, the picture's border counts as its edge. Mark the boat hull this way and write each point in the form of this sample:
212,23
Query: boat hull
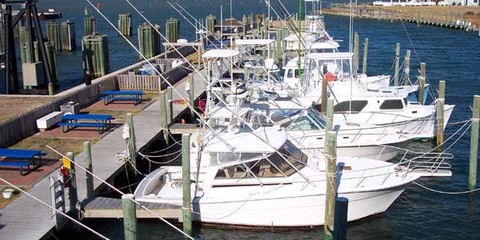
297,211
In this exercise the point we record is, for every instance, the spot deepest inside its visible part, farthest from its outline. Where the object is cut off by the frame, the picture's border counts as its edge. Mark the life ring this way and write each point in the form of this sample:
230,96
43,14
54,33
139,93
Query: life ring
329,76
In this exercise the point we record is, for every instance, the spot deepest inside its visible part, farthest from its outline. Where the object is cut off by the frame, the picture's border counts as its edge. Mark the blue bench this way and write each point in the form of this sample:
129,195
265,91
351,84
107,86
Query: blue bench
101,122
122,95
21,158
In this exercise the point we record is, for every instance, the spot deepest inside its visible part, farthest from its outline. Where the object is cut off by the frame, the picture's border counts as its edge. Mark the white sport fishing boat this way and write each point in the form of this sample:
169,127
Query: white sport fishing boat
361,99
259,178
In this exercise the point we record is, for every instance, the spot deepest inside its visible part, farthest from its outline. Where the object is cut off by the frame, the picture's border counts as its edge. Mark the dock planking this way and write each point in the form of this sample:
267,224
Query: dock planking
102,207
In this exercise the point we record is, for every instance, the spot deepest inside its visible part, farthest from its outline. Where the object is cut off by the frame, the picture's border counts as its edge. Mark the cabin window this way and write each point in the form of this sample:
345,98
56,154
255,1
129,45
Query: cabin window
350,106
391,104
290,73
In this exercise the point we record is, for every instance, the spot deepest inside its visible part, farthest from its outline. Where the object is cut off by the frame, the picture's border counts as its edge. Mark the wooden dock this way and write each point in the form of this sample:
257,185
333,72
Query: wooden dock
102,207
26,218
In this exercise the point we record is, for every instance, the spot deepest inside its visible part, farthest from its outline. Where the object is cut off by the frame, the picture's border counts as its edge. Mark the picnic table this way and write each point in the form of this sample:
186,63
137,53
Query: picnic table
122,95
21,158
100,121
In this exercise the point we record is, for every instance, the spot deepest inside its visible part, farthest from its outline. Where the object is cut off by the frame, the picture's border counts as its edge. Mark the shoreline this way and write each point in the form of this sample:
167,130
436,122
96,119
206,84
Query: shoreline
457,17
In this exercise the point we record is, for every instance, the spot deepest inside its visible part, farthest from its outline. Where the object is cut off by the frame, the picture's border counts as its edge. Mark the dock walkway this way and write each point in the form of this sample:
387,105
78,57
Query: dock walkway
25,218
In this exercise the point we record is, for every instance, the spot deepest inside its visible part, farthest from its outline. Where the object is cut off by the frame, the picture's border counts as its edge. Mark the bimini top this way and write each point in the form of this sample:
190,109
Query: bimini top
220,53
261,140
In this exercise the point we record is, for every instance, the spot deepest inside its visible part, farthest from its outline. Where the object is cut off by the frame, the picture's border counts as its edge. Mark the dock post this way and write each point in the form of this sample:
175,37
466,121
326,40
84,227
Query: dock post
132,145
365,56
88,165
356,51
329,122
324,102
331,153
169,103
472,179
440,113
129,216
163,114
406,70
68,36
72,191
421,80
397,65
191,91
341,218
187,199
125,24
89,26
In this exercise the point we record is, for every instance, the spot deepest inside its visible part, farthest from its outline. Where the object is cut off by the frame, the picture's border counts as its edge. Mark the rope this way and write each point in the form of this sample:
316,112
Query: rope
159,156
120,192
54,209
157,162
445,192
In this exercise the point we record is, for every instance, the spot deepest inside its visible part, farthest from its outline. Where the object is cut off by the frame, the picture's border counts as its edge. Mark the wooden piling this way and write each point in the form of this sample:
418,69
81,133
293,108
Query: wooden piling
397,65
211,21
68,36
331,153
125,24
191,91
329,121
472,179
172,29
406,70
132,144
187,199
72,192
421,80
163,114
356,51
148,40
365,56
52,59
324,102
26,53
89,25
53,34
89,167
440,113
95,55
169,105
129,217
341,218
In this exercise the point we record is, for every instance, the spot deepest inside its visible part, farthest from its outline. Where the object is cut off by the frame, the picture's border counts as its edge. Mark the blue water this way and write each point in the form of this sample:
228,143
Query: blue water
450,55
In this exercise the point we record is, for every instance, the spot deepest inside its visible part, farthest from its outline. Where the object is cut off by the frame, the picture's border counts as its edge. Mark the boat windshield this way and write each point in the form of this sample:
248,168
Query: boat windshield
283,163
309,121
